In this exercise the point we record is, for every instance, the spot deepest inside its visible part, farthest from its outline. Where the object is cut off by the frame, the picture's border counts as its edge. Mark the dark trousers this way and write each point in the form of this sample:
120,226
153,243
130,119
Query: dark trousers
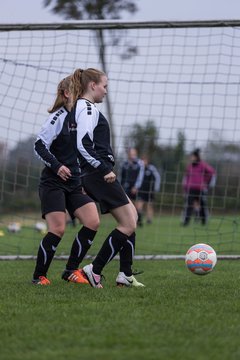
200,197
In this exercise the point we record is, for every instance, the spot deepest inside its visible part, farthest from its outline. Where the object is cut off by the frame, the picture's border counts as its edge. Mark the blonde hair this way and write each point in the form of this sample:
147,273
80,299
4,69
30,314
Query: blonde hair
61,99
80,80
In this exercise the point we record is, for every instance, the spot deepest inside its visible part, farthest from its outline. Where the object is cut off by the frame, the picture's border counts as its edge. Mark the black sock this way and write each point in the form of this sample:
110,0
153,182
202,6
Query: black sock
126,255
80,247
109,249
45,254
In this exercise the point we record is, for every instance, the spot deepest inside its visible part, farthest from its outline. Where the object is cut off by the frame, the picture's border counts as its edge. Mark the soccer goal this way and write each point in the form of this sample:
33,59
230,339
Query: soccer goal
173,87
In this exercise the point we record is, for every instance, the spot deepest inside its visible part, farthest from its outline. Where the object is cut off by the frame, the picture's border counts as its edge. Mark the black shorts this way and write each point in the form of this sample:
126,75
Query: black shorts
131,196
195,194
57,197
146,196
109,195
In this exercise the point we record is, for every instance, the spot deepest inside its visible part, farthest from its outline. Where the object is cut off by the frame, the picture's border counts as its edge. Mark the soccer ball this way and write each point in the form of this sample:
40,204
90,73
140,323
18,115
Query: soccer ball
201,259
14,227
40,227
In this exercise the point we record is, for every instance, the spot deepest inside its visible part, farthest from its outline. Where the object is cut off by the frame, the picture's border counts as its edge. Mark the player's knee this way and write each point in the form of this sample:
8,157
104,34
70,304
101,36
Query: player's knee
130,227
92,223
137,216
134,226
58,230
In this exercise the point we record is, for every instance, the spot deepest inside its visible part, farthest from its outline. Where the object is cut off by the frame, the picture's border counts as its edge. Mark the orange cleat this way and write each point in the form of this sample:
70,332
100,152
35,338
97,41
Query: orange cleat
42,280
75,276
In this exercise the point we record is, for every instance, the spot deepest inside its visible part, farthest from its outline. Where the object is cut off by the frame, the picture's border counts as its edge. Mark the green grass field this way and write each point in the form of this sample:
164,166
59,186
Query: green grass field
164,236
177,316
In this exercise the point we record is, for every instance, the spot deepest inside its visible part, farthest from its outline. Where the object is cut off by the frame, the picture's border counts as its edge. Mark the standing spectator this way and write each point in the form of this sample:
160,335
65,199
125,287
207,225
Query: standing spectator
150,185
132,172
199,176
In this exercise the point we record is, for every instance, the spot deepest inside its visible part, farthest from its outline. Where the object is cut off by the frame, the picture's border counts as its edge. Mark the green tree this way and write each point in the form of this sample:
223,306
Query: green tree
179,151
97,10
3,152
167,157
144,138
20,177
224,156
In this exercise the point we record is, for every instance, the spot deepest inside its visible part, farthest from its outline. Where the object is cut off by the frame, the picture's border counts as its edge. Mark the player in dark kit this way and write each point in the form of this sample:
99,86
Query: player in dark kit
60,189
131,177
132,171
91,136
149,186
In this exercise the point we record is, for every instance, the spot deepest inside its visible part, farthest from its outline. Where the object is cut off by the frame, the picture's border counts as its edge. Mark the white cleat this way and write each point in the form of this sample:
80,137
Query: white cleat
94,279
123,280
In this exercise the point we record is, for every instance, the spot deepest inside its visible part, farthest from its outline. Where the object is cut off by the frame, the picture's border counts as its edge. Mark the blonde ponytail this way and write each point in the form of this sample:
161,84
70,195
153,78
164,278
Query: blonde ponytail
61,99
80,80
76,85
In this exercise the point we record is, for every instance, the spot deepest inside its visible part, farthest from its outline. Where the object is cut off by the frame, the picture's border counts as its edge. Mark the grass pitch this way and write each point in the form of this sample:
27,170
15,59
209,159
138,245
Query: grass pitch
164,236
177,316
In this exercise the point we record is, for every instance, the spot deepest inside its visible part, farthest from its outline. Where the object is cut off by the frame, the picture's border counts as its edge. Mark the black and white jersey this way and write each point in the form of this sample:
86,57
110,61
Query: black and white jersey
151,179
132,174
91,136
54,146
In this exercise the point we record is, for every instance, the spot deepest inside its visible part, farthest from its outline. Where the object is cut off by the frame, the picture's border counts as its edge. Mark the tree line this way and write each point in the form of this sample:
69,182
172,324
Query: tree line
20,169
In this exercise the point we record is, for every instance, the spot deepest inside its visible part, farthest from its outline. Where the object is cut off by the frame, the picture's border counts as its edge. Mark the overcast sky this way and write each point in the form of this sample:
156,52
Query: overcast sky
185,79
32,11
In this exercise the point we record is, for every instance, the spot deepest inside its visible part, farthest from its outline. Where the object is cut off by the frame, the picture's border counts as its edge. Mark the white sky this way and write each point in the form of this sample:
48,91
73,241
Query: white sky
32,11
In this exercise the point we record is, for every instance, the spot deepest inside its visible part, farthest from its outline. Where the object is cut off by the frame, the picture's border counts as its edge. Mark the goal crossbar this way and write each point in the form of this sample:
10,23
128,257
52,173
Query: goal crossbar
118,24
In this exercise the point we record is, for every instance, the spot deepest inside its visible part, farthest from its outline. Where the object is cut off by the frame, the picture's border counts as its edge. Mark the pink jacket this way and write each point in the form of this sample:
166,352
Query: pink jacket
198,176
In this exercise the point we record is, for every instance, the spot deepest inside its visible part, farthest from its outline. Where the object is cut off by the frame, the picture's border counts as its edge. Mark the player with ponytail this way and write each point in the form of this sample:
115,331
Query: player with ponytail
60,189
91,138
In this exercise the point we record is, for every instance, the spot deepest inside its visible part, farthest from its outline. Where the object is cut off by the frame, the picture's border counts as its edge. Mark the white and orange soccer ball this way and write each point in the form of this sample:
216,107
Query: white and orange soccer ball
200,259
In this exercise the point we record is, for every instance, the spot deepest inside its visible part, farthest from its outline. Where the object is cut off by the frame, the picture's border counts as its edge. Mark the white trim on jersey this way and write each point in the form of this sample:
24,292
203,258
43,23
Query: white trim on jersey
213,180
86,124
50,131
157,177
140,176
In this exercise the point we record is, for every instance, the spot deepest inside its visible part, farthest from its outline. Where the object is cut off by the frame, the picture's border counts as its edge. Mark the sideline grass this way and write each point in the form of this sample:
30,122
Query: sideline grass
164,236
177,316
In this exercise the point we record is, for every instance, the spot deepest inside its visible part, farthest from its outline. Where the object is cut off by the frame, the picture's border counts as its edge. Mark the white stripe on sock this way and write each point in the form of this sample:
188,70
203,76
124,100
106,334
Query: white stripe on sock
80,246
44,253
111,246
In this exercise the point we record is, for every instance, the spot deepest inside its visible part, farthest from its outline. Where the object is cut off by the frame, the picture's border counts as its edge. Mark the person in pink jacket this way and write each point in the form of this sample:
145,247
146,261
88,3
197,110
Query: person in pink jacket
199,176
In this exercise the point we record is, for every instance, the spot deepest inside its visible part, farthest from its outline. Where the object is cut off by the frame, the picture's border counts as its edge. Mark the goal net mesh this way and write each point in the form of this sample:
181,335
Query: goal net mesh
183,81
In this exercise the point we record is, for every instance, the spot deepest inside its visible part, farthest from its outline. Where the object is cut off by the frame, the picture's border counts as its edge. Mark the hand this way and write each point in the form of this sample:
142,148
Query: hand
83,191
133,191
110,177
64,173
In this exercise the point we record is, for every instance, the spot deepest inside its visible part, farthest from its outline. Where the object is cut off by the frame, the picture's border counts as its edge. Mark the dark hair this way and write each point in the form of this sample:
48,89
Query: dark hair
80,80
196,153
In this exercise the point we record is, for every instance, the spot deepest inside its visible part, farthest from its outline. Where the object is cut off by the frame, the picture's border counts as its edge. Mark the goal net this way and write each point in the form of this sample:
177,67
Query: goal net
172,86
